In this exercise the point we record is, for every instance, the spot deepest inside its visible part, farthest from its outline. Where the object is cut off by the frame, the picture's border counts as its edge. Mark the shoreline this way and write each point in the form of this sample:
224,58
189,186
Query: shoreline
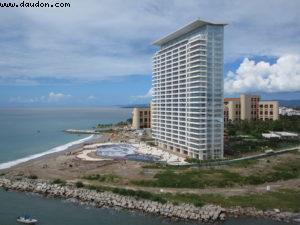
65,165
59,149
207,213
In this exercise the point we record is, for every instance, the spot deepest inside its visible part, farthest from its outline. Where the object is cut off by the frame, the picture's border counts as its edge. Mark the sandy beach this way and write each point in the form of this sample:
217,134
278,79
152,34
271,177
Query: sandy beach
66,165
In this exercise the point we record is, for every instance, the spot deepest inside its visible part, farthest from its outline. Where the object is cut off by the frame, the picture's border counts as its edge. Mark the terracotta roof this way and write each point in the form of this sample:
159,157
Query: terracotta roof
231,99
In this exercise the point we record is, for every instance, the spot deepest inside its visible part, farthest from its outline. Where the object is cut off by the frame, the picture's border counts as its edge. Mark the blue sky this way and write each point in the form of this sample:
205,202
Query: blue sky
98,53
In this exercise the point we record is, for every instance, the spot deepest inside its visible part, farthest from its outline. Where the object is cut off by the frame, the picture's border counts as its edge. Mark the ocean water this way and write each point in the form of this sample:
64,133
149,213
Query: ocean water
60,212
27,132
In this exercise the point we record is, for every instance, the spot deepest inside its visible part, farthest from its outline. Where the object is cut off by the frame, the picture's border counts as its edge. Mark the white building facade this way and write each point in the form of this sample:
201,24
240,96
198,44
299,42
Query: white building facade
187,113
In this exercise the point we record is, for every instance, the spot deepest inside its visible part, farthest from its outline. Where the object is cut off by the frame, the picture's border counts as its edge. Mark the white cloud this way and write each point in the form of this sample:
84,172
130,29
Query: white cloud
91,97
96,40
55,97
282,76
147,95
52,97
26,100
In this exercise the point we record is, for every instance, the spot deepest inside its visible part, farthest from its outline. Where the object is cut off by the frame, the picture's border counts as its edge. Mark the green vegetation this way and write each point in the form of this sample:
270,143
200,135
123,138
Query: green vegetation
198,161
79,184
99,126
139,194
107,125
255,128
287,199
2,174
239,145
245,136
245,163
150,142
154,166
191,179
160,166
201,178
97,188
33,177
59,181
176,199
283,171
110,178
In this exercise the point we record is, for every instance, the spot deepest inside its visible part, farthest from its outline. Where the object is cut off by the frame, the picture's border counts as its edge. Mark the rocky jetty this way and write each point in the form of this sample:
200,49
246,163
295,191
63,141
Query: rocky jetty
207,213
274,214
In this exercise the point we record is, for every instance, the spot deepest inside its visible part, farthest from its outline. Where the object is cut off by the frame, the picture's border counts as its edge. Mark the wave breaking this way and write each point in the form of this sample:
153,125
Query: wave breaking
60,148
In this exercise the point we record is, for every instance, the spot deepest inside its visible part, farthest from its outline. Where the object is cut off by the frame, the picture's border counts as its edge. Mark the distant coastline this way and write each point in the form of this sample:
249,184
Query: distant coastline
133,106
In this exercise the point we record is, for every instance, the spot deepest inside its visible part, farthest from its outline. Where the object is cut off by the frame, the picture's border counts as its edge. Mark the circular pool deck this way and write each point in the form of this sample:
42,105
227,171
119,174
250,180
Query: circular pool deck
123,151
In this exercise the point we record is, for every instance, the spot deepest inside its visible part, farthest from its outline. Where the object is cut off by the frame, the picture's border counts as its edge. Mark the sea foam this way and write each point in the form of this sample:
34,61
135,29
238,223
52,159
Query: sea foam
60,148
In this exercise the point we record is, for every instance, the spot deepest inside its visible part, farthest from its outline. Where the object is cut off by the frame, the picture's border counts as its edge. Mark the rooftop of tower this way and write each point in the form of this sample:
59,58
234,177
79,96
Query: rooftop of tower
186,29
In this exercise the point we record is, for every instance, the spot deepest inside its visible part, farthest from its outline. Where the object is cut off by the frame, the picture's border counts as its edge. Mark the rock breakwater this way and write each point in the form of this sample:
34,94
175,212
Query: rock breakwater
207,213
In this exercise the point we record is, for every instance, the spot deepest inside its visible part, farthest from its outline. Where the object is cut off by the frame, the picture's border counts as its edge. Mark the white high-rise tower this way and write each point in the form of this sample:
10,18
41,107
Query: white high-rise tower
187,109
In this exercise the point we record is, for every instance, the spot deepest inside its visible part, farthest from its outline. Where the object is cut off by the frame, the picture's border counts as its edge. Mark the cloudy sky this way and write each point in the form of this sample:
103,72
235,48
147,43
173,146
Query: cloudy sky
98,52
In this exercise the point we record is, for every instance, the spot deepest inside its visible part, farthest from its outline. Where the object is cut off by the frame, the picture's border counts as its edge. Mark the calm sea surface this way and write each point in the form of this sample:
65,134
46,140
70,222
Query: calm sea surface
24,132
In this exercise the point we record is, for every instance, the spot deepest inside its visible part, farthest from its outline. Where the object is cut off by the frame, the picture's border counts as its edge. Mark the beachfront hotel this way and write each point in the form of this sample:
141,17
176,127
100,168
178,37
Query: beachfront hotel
187,110
250,107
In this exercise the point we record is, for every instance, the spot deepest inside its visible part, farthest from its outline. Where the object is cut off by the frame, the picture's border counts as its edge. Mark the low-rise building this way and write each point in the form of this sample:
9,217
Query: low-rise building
141,118
288,111
249,107
232,109
268,110
280,135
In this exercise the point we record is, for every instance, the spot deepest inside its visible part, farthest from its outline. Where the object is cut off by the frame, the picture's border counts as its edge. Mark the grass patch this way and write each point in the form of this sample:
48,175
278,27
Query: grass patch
244,163
201,178
184,198
198,161
191,179
139,194
59,181
286,200
97,188
283,171
161,166
110,178
79,184
33,177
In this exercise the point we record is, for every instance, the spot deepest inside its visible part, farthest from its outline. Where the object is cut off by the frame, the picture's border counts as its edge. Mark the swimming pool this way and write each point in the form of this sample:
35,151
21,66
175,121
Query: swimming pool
123,151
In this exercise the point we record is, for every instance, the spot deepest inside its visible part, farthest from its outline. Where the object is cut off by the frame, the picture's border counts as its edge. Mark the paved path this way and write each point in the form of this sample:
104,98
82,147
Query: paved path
257,156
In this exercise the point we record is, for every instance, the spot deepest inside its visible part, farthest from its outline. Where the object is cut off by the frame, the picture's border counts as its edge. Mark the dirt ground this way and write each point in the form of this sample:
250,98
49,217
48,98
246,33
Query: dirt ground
66,166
